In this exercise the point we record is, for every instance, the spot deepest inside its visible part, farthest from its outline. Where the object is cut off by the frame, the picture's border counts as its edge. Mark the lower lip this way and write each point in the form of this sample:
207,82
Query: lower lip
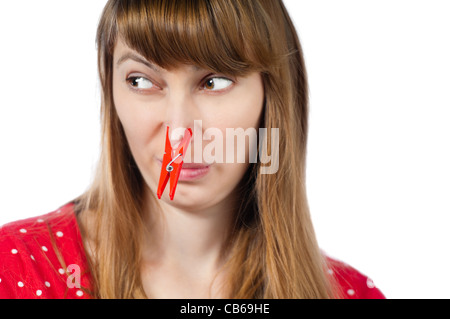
191,174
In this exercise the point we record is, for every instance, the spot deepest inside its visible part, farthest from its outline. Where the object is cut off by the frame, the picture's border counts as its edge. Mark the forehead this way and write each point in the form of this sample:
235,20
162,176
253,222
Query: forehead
121,48
122,53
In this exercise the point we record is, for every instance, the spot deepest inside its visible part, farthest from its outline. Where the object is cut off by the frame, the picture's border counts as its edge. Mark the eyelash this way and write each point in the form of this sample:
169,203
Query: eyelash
130,79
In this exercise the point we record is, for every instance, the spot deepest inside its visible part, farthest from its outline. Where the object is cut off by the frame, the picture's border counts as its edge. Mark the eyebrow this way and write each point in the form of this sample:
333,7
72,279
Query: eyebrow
137,58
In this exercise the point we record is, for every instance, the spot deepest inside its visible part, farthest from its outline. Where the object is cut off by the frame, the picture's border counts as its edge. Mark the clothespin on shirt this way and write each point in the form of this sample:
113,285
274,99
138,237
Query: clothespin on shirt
172,163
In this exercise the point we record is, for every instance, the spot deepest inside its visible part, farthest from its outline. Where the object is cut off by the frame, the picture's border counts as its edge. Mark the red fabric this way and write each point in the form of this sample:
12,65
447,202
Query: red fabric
351,283
30,267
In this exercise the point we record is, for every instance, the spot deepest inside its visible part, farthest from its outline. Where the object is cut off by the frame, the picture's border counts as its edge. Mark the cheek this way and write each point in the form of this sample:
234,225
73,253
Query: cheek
238,124
242,109
139,126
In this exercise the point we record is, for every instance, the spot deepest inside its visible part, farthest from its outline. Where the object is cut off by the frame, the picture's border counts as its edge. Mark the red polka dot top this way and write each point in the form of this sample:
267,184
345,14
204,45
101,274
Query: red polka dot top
43,258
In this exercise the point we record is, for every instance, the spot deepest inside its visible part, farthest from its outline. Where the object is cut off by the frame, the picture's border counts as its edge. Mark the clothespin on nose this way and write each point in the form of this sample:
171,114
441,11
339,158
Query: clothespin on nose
172,163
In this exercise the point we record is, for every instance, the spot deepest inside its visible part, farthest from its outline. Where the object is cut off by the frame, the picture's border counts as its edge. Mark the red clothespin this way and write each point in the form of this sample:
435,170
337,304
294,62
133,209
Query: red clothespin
172,163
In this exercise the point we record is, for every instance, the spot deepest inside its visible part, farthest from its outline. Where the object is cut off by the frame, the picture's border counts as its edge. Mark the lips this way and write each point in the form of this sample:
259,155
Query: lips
191,174
192,171
194,166
190,165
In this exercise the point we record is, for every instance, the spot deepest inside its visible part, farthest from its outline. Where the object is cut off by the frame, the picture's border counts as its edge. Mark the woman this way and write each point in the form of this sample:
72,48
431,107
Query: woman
231,231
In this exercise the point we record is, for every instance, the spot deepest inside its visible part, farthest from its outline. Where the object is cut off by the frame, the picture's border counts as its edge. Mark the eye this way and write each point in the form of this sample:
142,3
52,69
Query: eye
140,83
217,84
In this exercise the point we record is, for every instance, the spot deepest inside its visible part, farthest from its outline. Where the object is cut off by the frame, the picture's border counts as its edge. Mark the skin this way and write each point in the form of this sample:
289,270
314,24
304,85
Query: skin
182,249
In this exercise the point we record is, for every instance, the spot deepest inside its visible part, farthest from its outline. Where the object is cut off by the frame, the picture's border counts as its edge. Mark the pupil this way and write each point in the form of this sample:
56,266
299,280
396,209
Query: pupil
210,84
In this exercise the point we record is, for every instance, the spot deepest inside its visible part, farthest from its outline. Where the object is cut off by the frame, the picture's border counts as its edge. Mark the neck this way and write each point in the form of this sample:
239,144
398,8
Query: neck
192,239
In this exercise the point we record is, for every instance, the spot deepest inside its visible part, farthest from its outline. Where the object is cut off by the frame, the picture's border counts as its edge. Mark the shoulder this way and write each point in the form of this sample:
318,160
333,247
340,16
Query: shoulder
36,254
351,283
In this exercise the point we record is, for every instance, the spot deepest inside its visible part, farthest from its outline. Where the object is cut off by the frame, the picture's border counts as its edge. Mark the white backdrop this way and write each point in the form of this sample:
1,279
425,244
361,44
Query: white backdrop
379,147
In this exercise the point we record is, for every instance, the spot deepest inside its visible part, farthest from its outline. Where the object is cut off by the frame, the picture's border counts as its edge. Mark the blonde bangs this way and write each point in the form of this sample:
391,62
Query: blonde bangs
223,38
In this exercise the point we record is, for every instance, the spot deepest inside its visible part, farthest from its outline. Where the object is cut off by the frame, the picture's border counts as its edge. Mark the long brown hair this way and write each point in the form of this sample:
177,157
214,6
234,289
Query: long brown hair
273,249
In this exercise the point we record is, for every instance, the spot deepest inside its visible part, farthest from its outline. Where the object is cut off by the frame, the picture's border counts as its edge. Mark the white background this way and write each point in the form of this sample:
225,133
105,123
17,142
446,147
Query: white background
379,147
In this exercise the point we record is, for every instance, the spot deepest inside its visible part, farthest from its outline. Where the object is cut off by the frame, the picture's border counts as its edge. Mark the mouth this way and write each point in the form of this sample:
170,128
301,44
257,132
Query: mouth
191,171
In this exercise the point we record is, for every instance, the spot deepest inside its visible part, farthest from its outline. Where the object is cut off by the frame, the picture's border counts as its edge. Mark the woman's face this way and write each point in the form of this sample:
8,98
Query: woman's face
148,99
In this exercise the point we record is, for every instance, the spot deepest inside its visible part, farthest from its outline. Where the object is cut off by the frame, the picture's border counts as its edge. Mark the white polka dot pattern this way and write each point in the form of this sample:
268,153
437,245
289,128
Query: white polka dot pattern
30,252
353,284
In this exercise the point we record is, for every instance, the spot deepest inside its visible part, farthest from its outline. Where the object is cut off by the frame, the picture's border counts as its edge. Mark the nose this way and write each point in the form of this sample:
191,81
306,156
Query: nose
179,116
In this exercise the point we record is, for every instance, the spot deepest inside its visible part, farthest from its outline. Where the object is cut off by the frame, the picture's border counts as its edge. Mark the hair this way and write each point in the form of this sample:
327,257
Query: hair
273,251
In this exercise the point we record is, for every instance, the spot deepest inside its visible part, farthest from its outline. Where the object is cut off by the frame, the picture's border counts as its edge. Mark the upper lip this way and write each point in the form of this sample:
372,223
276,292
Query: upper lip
194,165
